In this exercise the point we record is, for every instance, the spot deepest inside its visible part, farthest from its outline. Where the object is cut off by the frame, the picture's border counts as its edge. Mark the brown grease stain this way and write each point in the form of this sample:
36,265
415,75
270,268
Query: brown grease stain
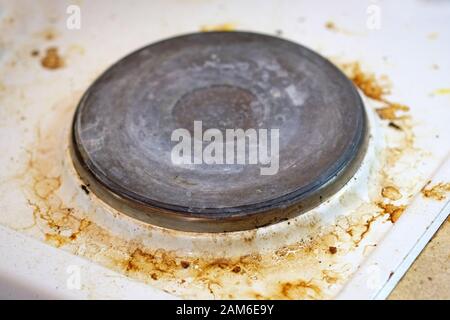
375,89
64,225
365,81
391,193
392,210
293,290
390,112
437,192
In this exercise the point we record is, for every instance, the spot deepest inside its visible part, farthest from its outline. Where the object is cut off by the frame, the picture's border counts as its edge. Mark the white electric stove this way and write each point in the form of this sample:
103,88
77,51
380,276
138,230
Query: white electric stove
59,239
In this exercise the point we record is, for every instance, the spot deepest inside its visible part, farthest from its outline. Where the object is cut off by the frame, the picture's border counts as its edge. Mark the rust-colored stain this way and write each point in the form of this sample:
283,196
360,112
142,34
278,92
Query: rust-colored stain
392,210
367,82
293,290
376,89
390,111
52,60
297,270
436,192
219,27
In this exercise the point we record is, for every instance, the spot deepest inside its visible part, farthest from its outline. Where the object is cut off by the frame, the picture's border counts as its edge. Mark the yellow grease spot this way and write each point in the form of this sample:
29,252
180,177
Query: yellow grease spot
219,27
391,193
442,91
432,36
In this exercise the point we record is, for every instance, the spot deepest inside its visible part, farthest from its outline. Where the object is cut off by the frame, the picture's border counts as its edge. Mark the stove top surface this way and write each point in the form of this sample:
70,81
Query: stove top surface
356,244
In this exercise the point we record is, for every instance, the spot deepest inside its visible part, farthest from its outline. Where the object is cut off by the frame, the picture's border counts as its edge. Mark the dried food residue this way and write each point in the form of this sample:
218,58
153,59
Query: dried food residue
314,268
367,82
391,193
264,275
52,60
437,192
376,89
392,210
390,111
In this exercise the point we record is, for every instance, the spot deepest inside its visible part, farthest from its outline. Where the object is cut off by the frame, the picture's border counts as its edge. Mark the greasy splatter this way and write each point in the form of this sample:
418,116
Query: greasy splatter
366,81
376,88
390,111
394,211
436,192
313,268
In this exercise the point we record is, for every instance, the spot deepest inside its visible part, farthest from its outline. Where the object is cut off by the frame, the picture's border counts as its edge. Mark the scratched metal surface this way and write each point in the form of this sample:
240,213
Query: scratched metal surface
315,256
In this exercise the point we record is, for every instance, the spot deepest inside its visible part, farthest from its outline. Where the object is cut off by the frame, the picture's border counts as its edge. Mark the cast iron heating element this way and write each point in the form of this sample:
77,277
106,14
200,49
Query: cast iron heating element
121,134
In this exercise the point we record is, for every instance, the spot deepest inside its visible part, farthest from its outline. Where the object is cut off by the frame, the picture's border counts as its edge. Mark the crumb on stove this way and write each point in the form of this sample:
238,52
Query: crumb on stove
34,53
85,189
395,126
52,60
236,269
332,250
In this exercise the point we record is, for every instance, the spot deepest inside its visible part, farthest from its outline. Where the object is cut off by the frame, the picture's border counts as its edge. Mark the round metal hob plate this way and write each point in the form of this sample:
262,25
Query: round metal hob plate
123,126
